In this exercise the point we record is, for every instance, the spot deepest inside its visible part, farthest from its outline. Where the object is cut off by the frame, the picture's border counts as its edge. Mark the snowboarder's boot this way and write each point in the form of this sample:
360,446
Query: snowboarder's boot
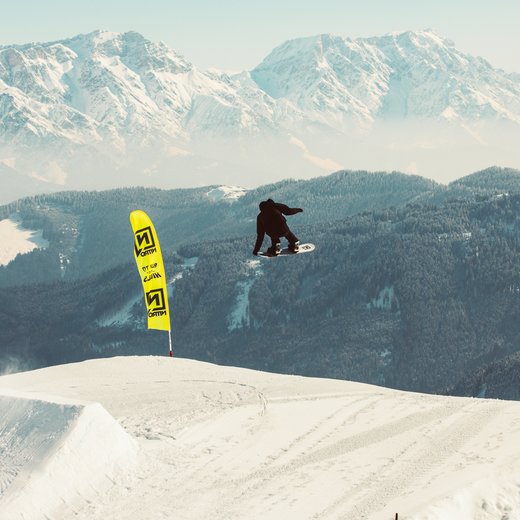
294,247
274,250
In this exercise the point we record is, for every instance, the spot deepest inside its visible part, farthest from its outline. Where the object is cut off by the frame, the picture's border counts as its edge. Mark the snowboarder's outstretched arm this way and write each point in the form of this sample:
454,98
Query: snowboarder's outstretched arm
260,234
286,210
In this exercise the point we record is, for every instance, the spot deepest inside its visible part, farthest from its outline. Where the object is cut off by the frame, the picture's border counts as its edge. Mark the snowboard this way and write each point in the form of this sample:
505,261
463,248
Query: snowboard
304,248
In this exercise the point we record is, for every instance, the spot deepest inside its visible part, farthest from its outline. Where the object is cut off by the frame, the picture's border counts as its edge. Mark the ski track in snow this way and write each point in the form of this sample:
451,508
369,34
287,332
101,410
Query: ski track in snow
413,460
225,443
409,460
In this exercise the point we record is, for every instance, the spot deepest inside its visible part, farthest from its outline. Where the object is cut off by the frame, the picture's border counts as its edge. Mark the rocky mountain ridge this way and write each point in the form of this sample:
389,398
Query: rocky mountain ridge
110,109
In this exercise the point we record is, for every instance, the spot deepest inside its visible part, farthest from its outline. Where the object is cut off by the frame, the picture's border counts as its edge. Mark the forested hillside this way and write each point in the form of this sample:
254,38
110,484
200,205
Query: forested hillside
89,232
496,179
417,297
411,298
494,380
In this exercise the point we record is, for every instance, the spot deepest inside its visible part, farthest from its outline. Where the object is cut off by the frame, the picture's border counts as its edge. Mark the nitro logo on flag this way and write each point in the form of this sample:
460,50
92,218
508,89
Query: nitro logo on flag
156,303
144,242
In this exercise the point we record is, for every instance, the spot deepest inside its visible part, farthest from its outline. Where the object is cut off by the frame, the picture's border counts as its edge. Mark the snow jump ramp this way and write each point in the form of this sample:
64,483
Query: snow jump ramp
56,455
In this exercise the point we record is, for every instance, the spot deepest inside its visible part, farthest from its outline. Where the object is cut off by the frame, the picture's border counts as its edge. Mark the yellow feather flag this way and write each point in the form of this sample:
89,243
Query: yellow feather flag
150,265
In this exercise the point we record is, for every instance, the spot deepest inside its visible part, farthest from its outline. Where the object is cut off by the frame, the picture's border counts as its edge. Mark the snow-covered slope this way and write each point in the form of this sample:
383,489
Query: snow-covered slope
227,193
226,443
329,78
431,79
404,75
111,86
15,240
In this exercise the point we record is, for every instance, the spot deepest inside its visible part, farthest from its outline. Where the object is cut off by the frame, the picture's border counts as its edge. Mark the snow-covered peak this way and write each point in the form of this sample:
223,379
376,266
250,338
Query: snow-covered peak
130,85
132,48
333,78
226,193
422,38
412,74
432,78
126,85
104,103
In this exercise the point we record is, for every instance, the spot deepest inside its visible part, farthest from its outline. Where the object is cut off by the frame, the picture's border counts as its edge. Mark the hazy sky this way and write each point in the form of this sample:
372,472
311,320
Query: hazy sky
238,34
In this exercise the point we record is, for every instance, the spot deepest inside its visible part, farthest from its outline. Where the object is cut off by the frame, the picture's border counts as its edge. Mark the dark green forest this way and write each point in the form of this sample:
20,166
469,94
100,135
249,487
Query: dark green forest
82,226
411,298
421,295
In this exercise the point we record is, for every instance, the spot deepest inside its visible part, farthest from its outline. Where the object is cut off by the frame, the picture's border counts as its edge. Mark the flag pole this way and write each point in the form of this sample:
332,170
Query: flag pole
170,341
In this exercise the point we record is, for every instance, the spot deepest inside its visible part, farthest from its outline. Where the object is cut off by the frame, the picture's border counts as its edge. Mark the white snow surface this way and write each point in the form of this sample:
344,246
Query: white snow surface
57,455
15,239
226,443
226,193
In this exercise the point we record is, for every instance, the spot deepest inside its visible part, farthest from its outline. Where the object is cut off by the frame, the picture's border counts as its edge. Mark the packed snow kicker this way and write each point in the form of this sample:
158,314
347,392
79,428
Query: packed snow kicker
202,441
56,453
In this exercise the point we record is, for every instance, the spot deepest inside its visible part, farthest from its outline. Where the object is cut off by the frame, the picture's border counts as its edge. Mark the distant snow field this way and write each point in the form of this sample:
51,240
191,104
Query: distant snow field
199,441
14,240
227,193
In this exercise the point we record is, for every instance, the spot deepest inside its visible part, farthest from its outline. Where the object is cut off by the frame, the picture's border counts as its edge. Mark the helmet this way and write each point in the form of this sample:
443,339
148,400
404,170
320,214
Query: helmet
265,203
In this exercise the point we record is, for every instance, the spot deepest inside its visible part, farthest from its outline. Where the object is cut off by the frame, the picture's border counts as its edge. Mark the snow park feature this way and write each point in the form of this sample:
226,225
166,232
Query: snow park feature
57,452
217,442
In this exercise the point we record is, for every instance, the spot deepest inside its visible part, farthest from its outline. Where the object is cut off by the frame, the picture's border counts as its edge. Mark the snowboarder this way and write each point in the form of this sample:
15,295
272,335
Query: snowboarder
271,220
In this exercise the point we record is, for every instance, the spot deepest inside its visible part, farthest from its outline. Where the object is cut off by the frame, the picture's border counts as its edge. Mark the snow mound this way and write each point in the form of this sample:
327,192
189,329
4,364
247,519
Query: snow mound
57,455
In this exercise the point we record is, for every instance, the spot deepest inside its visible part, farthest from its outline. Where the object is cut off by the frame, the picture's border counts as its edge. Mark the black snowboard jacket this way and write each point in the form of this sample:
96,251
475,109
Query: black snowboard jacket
271,220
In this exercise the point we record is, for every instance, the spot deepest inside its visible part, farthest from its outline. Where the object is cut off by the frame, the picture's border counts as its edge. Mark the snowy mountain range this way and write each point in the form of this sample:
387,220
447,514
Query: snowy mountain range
109,109
151,437
335,80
